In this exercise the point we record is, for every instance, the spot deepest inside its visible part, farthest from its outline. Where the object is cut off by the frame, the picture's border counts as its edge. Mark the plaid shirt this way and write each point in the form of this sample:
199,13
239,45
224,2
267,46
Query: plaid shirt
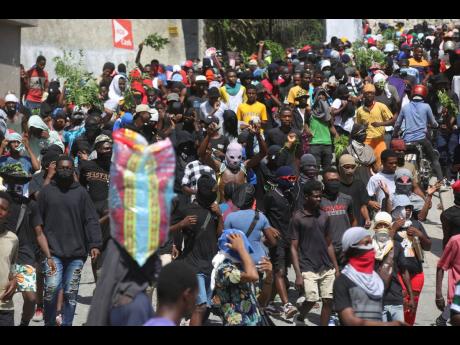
193,172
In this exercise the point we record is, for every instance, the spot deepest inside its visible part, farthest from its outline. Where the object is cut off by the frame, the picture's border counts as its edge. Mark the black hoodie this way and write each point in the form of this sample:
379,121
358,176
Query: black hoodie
70,221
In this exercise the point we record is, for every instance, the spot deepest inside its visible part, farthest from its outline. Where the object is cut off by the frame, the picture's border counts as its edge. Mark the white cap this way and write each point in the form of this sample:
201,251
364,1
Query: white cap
389,47
11,98
325,63
200,78
253,62
383,217
144,107
378,78
176,68
154,116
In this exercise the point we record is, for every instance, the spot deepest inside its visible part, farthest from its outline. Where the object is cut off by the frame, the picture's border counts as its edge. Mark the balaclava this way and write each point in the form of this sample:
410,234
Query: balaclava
234,155
346,175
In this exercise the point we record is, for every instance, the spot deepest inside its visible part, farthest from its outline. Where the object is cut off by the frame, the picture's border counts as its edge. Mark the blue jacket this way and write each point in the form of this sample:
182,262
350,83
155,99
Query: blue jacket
416,116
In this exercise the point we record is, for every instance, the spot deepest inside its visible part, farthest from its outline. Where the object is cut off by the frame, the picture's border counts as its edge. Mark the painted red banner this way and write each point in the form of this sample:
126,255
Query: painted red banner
122,34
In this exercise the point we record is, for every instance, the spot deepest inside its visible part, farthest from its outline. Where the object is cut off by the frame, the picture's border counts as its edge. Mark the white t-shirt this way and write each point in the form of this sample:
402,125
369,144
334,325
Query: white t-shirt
348,124
373,187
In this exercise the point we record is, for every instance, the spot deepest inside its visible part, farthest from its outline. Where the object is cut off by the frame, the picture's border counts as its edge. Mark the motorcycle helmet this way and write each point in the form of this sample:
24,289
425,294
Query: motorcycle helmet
420,90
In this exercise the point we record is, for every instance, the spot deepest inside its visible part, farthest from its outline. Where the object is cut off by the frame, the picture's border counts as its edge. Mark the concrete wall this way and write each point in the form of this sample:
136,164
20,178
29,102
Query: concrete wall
94,36
10,38
349,28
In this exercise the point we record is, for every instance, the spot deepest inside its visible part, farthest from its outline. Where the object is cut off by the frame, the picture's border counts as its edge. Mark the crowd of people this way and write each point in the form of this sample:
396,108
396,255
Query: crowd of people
261,187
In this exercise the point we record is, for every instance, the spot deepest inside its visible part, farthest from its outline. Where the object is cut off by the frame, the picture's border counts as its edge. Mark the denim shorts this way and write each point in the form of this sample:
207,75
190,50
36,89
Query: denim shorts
204,289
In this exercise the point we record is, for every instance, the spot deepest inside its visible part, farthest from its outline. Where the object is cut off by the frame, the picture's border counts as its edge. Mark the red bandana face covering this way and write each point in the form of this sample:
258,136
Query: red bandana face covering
364,263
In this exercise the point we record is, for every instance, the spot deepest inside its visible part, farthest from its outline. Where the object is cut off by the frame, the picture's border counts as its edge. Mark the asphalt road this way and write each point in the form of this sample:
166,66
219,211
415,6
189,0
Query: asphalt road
426,314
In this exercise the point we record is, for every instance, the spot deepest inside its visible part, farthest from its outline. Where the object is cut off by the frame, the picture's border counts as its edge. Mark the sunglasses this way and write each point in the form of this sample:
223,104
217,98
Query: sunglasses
289,178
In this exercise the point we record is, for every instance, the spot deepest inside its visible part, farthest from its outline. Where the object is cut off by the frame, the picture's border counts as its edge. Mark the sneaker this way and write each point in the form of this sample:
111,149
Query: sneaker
440,321
59,320
274,309
301,300
289,310
299,321
38,316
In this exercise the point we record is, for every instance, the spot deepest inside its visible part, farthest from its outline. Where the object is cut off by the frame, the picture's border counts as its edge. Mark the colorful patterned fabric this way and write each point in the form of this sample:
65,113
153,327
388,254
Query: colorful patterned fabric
235,300
140,192
26,277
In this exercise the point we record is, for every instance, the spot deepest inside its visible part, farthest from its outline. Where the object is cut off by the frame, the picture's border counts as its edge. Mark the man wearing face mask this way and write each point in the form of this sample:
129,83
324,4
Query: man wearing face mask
339,207
95,177
16,114
404,183
308,171
358,291
363,154
17,144
72,234
355,188
278,205
300,112
389,261
41,137
93,127
200,241
233,168
414,240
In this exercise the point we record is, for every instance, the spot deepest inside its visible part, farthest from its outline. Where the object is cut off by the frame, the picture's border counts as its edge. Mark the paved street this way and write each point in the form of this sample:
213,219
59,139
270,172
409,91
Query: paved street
427,311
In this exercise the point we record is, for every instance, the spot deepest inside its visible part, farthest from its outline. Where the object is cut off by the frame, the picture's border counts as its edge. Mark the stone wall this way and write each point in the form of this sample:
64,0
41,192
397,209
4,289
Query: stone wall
411,22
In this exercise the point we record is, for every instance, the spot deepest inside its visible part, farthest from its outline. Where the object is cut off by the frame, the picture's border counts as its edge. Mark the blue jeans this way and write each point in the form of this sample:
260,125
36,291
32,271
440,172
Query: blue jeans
204,289
32,105
67,277
393,313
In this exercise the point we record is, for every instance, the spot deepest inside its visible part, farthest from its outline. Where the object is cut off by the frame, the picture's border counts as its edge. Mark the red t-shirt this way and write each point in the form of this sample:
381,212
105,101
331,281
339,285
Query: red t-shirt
38,83
450,261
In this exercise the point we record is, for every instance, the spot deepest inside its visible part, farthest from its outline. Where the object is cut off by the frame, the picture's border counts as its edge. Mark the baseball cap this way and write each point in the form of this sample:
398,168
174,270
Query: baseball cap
273,151
325,63
188,64
11,97
173,97
389,47
401,200
200,78
252,63
102,138
143,107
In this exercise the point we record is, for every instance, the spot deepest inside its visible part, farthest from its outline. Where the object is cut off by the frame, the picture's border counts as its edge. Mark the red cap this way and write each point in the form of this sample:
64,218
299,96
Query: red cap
188,64
370,41
307,48
456,186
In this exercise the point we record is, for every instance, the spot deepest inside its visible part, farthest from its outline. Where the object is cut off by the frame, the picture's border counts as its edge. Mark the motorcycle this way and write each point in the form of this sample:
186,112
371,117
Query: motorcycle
415,155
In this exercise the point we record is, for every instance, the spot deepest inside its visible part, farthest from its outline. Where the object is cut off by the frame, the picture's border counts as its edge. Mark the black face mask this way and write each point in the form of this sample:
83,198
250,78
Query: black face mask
332,187
401,160
64,177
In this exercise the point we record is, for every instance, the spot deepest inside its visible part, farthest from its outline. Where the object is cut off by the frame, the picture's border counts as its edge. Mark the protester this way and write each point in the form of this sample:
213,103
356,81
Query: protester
313,254
358,291
71,234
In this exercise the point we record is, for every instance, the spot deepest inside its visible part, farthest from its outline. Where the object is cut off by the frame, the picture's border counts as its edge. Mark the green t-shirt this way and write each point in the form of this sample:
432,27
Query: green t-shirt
320,131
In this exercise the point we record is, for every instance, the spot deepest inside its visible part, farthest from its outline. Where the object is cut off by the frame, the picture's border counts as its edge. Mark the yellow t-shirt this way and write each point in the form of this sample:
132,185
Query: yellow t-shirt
292,94
246,112
378,113
415,63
